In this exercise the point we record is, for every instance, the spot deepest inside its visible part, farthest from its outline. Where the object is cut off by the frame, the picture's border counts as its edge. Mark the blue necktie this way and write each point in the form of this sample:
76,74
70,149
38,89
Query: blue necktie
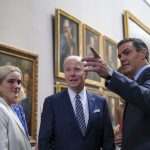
80,115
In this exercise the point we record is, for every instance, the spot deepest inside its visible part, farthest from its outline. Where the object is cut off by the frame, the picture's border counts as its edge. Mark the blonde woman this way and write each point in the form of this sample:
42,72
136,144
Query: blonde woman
12,134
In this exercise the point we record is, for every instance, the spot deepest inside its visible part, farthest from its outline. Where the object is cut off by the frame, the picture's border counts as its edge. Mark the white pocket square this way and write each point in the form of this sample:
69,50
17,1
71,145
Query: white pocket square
96,110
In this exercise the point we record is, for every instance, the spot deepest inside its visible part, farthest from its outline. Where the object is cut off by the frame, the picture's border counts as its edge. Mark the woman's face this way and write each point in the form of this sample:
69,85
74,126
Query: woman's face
10,87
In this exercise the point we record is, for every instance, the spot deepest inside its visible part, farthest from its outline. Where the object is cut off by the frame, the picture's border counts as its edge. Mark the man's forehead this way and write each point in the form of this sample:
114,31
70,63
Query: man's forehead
69,61
74,65
125,46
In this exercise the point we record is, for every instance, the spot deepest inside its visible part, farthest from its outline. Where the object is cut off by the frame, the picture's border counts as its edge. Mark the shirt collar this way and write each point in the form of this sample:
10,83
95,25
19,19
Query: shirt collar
140,71
72,94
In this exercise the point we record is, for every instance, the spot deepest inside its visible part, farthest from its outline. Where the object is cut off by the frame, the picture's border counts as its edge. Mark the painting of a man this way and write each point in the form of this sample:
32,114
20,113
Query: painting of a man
68,39
111,54
92,40
113,103
26,103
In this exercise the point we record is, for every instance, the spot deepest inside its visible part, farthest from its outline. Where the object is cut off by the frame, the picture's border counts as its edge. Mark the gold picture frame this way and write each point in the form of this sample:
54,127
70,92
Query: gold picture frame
28,63
92,38
67,39
116,108
110,52
133,27
60,86
95,91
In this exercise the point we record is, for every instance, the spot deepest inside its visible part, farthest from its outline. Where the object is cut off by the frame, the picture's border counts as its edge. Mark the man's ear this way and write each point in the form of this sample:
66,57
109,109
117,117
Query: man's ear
86,73
143,52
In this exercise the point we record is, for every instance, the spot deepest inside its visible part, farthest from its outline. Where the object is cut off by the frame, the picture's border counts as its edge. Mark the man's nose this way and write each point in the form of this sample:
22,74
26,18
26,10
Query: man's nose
122,58
72,72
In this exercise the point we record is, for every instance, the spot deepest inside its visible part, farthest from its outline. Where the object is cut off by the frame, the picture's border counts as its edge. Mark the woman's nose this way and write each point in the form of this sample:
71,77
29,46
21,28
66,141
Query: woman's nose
16,84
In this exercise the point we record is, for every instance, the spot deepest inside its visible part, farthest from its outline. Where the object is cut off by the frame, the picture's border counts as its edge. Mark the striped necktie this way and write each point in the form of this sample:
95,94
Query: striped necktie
80,115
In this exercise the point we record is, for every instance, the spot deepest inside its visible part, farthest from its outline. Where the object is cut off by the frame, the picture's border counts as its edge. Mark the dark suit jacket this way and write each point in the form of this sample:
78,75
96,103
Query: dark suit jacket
136,122
59,129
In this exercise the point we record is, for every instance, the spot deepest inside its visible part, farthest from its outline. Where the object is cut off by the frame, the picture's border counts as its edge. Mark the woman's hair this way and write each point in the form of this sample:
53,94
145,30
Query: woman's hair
5,70
22,95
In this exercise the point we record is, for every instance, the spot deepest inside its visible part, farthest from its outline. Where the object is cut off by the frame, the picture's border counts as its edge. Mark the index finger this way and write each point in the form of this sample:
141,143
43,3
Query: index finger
96,55
89,59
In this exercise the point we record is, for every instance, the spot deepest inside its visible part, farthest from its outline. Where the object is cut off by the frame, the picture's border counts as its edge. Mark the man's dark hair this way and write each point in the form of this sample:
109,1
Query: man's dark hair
137,43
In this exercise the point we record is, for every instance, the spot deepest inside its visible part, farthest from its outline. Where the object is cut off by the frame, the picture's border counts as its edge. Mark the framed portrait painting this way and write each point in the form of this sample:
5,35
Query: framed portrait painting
67,39
91,38
60,86
110,52
28,63
116,108
95,91
135,28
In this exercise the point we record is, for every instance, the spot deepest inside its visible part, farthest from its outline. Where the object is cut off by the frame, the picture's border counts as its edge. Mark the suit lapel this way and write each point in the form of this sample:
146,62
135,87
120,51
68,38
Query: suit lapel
140,80
16,119
13,115
70,112
91,104
67,105
142,76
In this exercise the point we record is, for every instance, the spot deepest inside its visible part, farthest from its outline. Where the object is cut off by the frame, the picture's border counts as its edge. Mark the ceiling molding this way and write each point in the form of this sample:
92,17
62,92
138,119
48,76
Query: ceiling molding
147,2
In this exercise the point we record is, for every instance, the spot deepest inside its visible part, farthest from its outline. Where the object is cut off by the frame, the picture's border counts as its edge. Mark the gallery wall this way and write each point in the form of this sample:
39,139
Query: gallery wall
29,25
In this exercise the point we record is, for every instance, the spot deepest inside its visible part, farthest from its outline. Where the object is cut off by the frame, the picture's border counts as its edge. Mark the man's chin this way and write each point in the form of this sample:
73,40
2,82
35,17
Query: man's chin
73,86
126,70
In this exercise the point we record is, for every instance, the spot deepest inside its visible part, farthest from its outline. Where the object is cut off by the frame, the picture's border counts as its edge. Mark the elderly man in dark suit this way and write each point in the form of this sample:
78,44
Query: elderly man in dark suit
133,54
75,119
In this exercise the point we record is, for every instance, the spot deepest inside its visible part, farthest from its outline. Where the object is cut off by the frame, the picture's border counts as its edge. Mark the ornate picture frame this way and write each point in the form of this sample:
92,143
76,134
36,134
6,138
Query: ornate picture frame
110,52
60,86
133,27
28,63
92,38
116,108
67,39
95,91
